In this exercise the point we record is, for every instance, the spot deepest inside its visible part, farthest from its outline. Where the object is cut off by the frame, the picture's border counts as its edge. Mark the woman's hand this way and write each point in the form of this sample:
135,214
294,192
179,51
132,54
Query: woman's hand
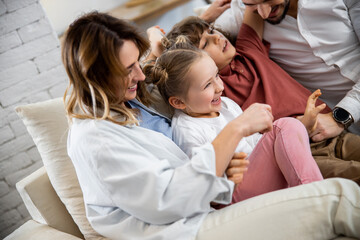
155,34
215,10
237,167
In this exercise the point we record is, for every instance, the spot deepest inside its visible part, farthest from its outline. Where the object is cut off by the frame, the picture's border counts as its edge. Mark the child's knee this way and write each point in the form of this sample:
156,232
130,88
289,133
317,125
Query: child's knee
289,123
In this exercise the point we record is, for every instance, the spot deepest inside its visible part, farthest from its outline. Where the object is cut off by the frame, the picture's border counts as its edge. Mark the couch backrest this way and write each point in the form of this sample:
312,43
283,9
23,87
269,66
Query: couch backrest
47,124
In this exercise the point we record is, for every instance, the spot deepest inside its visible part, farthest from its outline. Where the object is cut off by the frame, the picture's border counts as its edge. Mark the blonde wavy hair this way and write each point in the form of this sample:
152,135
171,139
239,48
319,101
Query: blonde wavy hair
90,54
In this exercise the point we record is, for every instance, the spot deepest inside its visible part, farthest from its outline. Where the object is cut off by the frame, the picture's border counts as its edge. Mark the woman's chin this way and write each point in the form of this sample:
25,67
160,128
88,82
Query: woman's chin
130,95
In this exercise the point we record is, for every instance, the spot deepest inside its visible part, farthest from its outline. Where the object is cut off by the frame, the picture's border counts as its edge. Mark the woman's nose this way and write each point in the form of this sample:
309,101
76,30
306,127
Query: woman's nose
264,10
139,75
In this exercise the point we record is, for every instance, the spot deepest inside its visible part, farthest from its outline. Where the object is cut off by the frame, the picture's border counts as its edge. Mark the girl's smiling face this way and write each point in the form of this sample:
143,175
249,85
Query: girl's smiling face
203,97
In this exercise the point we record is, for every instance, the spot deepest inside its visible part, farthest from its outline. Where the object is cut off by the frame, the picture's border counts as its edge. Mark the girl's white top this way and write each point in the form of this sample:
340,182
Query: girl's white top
190,132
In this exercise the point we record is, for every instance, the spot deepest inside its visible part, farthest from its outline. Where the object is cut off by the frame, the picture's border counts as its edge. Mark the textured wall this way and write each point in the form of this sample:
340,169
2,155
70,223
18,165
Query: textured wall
30,71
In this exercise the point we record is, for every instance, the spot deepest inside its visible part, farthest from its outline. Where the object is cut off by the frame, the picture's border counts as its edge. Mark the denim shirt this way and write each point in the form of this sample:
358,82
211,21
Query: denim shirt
150,119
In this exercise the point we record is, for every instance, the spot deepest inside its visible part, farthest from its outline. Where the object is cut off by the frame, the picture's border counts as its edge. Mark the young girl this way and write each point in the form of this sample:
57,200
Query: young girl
188,79
250,76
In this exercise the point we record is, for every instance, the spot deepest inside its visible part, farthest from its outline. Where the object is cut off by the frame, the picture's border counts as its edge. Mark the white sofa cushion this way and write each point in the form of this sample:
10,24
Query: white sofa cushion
47,124
32,230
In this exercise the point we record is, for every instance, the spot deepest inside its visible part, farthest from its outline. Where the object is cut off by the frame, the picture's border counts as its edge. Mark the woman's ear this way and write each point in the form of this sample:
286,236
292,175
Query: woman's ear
177,103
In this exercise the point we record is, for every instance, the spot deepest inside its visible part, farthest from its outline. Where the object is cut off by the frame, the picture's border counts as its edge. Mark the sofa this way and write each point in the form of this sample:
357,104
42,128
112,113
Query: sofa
52,194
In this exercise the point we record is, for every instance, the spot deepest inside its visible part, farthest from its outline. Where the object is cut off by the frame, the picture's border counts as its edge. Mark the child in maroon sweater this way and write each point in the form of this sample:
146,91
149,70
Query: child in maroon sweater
250,76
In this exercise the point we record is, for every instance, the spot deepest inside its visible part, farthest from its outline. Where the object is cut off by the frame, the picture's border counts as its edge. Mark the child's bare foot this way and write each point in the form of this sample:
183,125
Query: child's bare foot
155,34
311,112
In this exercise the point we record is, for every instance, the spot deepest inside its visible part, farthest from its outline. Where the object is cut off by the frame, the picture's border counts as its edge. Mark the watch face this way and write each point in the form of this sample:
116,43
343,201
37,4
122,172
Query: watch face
341,115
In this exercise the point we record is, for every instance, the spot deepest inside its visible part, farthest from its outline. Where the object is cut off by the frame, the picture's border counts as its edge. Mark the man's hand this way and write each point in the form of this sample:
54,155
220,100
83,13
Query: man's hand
215,10
237,167
326,128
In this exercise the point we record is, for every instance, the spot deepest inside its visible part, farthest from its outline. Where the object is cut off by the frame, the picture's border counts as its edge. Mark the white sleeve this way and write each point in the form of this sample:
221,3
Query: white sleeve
353,7
231,20
146,185
351,102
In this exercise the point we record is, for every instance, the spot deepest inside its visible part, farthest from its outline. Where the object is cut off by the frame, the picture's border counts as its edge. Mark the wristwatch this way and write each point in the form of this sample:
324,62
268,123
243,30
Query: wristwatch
342,116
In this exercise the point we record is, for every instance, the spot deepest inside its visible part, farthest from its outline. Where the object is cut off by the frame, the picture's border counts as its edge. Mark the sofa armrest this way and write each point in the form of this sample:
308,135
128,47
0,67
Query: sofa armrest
32,230
43,203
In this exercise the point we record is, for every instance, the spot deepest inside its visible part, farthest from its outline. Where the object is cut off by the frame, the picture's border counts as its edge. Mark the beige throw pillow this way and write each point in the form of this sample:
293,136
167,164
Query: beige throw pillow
47,124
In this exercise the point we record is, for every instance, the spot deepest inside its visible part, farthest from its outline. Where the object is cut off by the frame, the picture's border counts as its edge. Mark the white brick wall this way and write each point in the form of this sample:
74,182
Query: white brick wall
2,8
35,30
9,41
17,18
30,71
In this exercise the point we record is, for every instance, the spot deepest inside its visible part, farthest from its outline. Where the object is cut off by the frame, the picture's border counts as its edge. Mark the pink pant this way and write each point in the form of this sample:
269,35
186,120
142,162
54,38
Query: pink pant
281,159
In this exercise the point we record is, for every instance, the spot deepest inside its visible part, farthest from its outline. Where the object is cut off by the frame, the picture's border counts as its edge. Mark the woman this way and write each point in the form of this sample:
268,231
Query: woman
137,184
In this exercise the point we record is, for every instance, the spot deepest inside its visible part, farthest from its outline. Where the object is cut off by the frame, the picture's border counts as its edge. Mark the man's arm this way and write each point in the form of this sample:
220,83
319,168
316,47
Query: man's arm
354,13
232,19
215,10
327,126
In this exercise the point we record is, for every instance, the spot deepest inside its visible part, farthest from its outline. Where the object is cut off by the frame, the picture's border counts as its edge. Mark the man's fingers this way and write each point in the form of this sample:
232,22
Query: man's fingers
318,137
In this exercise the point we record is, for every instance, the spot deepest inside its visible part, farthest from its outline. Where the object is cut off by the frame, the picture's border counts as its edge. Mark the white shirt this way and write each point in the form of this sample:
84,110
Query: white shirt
138,184
320,49
190,132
